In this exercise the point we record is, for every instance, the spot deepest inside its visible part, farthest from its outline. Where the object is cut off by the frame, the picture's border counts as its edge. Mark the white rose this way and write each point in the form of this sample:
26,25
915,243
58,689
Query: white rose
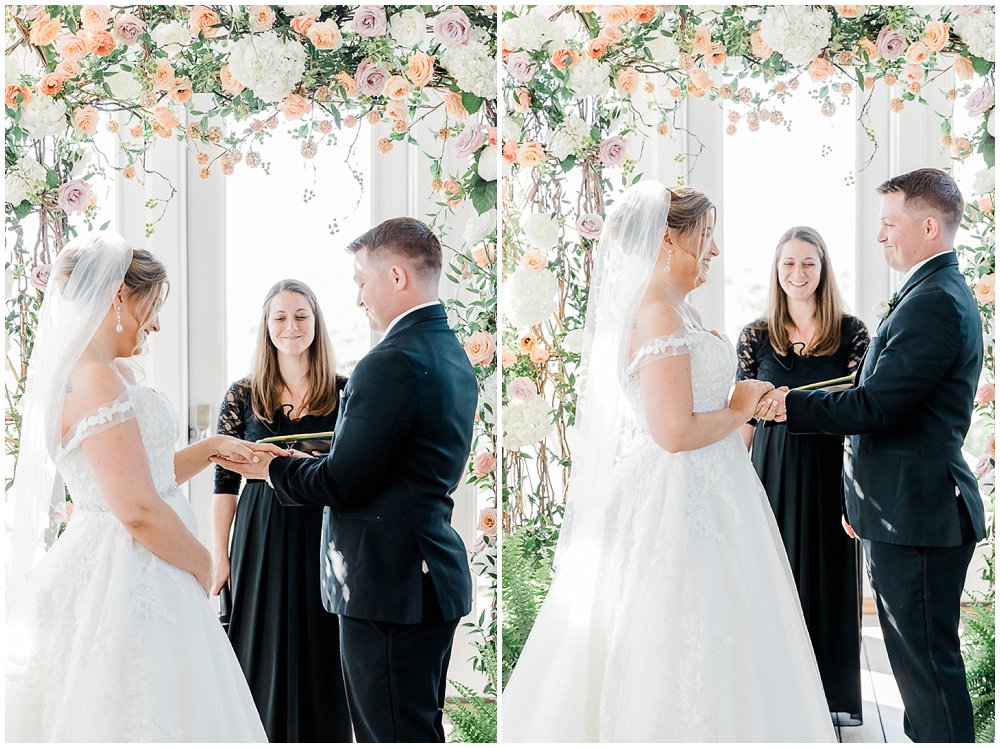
589,77
488,163
985,182
292,11
540,230
408,27
798,33
171,37
573,342
480,227
124,86
268,65
991,123
526,423
882,309
44,116
663,49
530,296
511,128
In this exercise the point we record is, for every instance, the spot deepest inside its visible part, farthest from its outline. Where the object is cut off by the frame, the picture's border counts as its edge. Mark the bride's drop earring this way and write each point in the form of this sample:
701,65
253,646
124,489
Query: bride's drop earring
118,318
670,253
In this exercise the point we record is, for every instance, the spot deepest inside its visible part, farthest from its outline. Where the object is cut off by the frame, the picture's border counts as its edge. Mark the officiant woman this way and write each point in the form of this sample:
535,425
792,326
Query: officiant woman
286,642
804,338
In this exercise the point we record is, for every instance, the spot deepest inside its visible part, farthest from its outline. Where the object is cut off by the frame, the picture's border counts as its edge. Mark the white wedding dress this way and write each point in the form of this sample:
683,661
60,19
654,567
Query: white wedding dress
678,620
108,642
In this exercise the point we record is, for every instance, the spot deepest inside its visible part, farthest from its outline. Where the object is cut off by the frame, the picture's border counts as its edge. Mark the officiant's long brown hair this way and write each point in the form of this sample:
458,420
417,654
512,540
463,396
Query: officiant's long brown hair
265,375
829,306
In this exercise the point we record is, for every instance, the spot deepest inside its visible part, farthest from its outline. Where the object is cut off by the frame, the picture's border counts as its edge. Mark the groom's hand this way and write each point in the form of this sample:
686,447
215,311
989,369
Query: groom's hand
847,528
776,399
251,470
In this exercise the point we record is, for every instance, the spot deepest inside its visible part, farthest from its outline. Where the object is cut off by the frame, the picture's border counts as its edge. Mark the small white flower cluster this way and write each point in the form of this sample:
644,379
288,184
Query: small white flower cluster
25,181
43,116
978,31
530,32
526,422
589,77
268,65
797,33
473,66
530,296
571,138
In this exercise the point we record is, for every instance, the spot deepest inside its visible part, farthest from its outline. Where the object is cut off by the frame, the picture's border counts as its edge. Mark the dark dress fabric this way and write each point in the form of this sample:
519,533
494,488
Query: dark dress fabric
287,644
802,475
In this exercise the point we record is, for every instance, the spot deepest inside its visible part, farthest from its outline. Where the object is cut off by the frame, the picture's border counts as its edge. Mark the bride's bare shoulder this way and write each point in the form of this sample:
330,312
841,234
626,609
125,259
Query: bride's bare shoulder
654,319
90,385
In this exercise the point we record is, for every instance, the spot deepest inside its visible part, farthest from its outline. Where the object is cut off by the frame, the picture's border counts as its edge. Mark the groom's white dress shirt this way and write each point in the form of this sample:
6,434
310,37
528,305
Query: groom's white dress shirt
408,311
915,268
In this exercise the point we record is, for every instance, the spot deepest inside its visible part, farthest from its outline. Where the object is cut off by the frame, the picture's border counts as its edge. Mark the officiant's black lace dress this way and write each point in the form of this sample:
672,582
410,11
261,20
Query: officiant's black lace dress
286,642
802,475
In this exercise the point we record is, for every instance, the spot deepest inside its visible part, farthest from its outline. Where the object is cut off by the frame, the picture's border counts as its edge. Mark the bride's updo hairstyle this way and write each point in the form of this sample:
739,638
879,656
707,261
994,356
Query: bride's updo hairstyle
689,215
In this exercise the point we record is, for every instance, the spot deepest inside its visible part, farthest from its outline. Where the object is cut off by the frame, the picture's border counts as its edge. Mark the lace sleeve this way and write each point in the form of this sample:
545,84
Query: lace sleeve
859,343
101,418
232,423
678,344
746,353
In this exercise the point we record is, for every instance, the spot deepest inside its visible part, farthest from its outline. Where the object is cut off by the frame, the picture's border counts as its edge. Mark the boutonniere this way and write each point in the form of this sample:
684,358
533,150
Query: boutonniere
884,308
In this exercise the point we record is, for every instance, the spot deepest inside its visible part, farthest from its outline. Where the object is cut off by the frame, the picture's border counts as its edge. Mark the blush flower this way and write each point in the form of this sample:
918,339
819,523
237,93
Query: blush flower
890,44
371,78
128,28
369,21
483,464
452,28
590,225
74,196
481,348
613,151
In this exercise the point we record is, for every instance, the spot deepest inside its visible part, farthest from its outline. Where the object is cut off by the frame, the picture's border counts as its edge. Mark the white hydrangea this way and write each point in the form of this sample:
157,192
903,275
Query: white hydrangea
487,166
22,60
978,31
540,230
124,86
985,182
572,137
408,27
43,116
526,423
663,49
530,296
171,37
798,33
480,227
589,77
530,32
267,65
488,396
472,65
24,182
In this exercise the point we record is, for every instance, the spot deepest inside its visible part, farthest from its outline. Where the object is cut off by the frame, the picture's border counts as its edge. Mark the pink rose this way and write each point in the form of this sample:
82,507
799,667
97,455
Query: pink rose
980,101
488,521
484,464
470,141
39,277
369,21
613,151
523,389
63,512
982,467
520,66
74,196
890,44
371,78
31,12
964,10
590,225
128,28
452,28
262,17
985,394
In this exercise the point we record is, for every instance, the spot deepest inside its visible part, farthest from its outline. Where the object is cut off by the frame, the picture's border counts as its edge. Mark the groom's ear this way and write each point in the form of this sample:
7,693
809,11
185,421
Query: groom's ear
400,279
932,228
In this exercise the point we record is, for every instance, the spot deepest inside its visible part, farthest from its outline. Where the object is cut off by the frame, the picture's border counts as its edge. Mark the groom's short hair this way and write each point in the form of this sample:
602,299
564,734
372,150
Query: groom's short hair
929,188
404,237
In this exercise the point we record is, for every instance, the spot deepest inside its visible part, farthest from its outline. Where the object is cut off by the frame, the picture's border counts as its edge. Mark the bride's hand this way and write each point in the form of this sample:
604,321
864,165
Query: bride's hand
747,395
220,574
238,450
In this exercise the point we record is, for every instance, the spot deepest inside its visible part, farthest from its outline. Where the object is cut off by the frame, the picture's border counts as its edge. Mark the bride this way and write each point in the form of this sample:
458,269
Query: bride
673,615
109,633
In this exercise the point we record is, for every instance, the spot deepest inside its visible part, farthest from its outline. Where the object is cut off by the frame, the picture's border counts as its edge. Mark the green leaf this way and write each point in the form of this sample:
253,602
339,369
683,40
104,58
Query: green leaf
471,102
988,149
484,196
981,66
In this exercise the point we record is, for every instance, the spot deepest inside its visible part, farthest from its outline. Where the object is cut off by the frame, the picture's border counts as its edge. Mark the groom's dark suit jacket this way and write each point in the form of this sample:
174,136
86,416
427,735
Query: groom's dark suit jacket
400,447
907,416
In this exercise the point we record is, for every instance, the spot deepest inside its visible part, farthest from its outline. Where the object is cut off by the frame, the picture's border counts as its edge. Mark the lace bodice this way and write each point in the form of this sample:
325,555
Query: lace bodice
158,426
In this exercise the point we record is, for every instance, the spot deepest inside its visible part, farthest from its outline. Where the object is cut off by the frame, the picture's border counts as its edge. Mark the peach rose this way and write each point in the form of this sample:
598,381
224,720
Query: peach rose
821,69
230,85
44,30
641,13
396,110
913,72
961,148
985,394
535,260
68,69
347,82
985,289
917,52
261,17
849,11
453,105
487,521
509,151
203,19
85,120
522,100
71,47
50,84
481,348
491,136
482,255
384,145
325,35
896,105
95,17
420,68
702,42
396,87
539,354
627,80
986,204
302,24
530,154
963,68
163,77
164,120
101,43
717,55
701,79
870,48
507,357
614,15
483,464
563,58
294,106
936,35
596,48
451,191
759,47
180,92
611,34
527,343
17,95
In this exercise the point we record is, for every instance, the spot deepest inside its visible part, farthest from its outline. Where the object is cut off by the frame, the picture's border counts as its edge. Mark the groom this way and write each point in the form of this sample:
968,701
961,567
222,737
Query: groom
909,493
394,569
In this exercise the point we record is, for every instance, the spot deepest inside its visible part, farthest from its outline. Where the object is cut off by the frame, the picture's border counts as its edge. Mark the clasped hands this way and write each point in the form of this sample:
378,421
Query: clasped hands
761,400
249,459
